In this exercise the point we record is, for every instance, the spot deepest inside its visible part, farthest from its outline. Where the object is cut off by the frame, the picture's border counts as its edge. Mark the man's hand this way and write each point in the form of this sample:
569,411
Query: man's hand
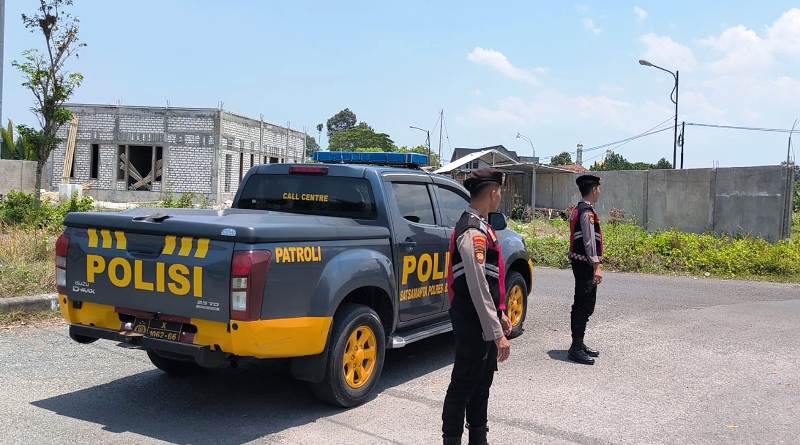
598,274
506,324
503,348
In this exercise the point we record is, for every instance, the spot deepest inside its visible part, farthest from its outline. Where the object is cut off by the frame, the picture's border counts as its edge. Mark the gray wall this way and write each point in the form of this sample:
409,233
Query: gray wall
739,201
17,175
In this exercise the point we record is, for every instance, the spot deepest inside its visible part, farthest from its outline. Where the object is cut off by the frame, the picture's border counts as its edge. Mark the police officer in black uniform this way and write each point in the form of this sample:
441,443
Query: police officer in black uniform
476,282
586,256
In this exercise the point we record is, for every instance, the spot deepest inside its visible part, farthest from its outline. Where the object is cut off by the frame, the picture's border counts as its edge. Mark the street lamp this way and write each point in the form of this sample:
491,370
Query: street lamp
674,100
427,140
533,175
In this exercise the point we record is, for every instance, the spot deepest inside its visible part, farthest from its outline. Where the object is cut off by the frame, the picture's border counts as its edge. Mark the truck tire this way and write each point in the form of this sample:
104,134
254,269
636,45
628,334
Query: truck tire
355,357
516,302
171,366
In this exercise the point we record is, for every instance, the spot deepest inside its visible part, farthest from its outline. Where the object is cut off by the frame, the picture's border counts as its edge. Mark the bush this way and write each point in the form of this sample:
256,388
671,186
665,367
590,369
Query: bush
185,201
19,209
630,248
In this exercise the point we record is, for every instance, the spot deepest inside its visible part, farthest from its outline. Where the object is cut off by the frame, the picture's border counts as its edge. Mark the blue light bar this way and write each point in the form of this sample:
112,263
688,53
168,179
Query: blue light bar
381,158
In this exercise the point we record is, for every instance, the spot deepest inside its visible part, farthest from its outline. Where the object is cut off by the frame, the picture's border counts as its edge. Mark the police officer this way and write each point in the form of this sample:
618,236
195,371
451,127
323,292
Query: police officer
476,287
586,256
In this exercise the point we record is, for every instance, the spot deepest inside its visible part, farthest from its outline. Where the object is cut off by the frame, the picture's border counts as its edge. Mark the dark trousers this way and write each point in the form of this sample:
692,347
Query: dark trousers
585,297
473,372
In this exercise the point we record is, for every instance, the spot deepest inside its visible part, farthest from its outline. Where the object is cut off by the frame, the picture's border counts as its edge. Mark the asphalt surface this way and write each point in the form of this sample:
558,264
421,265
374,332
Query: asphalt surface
682,361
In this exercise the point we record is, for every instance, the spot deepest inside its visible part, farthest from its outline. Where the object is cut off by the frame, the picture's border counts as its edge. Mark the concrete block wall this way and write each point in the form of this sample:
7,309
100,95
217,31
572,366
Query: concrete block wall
737,201
17,175
194,144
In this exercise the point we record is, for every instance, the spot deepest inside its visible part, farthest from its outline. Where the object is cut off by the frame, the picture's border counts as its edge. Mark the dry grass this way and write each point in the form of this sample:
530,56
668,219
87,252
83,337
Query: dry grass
26,262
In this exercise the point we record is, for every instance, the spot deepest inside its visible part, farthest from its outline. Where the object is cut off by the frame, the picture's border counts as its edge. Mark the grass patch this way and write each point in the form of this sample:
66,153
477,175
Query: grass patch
629,248
26,261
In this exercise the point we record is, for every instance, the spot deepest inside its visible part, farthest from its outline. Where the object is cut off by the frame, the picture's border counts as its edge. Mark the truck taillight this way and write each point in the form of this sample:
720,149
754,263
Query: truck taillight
248,278
308,170
62,247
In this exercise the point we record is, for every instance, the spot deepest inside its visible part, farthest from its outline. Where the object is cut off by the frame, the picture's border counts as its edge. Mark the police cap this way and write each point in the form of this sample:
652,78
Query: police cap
477,179
587,181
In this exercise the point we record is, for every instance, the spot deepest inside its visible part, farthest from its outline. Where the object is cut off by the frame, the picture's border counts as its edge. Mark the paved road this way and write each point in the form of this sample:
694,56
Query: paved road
683,361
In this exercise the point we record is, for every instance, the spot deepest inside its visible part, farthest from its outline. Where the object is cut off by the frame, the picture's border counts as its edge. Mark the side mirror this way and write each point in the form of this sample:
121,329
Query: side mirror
498,221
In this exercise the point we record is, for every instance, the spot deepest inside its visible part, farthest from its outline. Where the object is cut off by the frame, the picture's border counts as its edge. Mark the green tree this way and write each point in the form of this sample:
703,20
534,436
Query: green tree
663,164
357,138
341,121
613,161
46,77
563,158
311,145
421,149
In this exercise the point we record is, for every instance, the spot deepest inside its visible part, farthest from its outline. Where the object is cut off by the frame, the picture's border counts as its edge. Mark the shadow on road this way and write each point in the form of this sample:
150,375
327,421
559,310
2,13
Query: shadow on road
559,354
227,406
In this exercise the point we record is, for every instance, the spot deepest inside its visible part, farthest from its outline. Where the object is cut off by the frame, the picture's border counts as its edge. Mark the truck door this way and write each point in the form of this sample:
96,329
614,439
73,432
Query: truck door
420,256
451,202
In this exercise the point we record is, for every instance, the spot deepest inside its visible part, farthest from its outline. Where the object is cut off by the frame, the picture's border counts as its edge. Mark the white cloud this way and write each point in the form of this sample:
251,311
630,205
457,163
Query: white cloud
553,107
742,50
589,25
499,62
784,34
663,51
641,14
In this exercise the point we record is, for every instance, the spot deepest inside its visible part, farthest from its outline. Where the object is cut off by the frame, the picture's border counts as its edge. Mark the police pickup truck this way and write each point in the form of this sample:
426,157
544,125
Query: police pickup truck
325,265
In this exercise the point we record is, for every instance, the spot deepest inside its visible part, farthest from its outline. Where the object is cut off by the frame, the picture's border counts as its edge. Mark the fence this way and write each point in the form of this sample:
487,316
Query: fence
738,201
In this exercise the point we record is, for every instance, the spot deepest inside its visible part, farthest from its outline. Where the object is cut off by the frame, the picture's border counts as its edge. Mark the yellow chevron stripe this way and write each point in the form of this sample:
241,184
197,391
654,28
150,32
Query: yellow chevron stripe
202,248
122,242
106,238
186,246
92,237
169,245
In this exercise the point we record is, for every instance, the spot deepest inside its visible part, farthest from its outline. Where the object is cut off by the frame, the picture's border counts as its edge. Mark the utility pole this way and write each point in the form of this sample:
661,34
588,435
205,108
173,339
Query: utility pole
681,140
676,76
2,34
441,126
579,155
789,144
427,140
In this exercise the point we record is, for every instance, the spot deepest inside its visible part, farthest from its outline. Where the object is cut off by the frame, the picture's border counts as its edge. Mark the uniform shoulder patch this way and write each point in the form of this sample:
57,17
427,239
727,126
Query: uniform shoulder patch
591,218
479,246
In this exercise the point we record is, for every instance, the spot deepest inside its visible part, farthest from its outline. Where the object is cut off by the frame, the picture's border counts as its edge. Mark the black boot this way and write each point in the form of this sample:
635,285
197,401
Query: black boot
477,435
578,355
590,352
451,440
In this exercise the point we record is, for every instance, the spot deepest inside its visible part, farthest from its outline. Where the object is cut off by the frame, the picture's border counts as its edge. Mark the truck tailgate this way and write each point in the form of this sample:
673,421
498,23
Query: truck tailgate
170,274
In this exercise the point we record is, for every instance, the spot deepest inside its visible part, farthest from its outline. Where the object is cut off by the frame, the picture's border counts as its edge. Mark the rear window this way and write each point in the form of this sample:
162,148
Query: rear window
316,195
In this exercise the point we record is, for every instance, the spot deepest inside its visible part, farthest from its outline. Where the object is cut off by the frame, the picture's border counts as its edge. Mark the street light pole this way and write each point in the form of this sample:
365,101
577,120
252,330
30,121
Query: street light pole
676,76
427,140
533,175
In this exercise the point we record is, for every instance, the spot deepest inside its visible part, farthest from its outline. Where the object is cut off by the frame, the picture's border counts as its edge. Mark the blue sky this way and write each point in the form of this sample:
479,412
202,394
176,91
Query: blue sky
561,73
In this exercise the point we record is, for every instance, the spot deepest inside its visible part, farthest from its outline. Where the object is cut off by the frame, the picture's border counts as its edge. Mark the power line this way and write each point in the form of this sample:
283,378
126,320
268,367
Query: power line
734,127
645,133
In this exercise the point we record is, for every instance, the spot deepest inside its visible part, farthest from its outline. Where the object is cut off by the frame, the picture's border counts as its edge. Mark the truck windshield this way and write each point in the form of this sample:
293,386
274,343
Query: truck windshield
317,195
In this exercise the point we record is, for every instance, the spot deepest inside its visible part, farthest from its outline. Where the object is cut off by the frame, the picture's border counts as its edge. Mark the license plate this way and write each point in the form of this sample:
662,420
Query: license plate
160,329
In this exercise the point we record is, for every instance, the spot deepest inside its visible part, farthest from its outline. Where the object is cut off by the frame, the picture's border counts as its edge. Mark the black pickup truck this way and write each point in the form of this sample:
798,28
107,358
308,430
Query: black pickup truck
325,265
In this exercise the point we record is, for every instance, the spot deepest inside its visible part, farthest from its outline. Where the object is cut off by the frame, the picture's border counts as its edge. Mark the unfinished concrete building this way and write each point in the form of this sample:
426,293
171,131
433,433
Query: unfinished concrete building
129,154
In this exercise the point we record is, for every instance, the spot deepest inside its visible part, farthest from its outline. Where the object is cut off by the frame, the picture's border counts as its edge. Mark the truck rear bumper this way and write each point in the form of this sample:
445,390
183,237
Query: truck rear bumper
274,338
203,355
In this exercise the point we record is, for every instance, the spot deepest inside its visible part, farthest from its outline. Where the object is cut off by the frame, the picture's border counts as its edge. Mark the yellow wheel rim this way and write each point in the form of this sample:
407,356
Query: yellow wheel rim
359,356
516,305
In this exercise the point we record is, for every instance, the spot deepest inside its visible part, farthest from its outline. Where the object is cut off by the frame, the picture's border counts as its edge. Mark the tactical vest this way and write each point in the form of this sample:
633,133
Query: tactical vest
577,251
458,291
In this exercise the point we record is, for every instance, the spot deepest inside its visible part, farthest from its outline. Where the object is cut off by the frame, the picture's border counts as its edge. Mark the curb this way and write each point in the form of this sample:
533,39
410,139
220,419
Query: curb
35,303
